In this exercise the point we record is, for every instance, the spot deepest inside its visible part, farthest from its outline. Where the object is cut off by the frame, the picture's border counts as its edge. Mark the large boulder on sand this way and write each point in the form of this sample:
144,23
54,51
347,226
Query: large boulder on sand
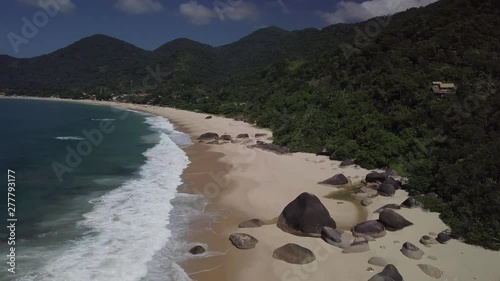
388,206
338,179
243,241
411,251
430,270
242,136
371,228
386,189
392,220
208,136
376,177
305,216
295,254
390,273
251,223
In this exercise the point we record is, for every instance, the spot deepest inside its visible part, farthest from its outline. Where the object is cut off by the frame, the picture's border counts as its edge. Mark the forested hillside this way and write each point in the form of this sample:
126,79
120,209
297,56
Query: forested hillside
363,91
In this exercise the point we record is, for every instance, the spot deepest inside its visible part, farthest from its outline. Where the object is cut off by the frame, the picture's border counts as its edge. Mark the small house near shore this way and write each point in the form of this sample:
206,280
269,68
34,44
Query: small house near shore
443,88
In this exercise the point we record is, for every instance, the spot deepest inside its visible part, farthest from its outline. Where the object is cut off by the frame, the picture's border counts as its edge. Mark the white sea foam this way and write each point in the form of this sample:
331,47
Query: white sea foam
128,225
69,138
104,119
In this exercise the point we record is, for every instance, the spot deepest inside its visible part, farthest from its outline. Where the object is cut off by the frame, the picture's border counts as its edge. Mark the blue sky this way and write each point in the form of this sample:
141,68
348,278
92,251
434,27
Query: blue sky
34,27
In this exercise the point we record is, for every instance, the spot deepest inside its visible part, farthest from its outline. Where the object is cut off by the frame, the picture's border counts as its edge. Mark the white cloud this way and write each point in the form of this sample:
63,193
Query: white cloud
350,11
197,13
242,11
66,6
139,7
231,10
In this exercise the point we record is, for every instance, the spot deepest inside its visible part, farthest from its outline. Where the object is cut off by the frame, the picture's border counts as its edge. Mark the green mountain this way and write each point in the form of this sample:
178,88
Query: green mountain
362,91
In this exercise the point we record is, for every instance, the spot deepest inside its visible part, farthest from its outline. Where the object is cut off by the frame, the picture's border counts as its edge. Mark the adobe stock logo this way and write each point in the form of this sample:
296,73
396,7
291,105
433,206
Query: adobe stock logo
48,9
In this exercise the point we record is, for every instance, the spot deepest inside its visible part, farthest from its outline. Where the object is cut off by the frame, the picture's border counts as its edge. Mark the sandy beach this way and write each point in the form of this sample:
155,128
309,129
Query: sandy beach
245,183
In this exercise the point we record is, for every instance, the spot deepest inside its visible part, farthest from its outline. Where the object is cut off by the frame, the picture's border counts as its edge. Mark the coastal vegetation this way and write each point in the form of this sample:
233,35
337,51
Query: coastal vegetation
360,91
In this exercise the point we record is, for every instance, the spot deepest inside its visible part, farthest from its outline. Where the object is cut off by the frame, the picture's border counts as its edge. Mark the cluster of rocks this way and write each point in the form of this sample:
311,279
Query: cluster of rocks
307,216
271,147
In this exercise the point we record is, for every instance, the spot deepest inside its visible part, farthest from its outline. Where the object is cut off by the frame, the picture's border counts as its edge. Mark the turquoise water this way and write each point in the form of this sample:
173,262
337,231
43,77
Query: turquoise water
93,189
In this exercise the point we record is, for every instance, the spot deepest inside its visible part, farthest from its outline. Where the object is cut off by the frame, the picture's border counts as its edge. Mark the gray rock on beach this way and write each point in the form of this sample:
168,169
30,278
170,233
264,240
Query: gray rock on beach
242,136
410,203
338,179
371,228
359,245
443,238
389,273
253,223
346,163
392,220
305,216
336,238
294,254
388,206
366,202
411,251
376,177
430,270
428,240
225,138
208,136
378,261
243,241
386,190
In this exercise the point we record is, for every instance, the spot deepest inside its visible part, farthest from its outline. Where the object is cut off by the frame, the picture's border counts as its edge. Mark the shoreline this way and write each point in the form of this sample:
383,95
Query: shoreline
244,183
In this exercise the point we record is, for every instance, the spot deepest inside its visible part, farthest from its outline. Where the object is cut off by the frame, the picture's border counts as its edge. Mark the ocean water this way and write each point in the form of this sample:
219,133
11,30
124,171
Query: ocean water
95,192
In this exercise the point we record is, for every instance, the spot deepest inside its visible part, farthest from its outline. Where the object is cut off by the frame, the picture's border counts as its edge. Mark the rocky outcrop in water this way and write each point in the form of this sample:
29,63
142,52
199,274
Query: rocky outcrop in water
197,250
305,215
294,254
